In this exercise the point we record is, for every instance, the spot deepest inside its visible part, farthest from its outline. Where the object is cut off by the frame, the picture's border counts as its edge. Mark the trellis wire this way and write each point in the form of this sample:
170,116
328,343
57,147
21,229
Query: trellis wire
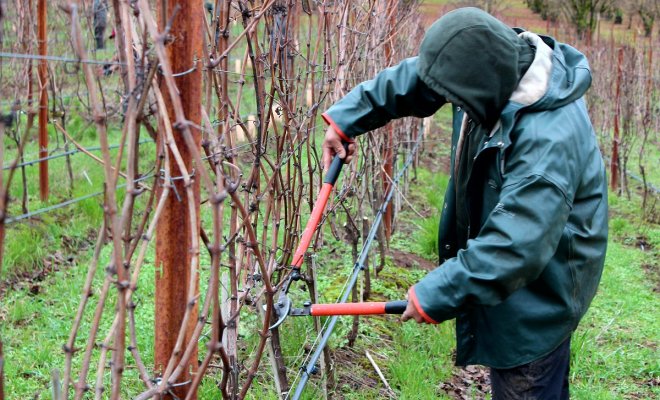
54,207
66,153
58,58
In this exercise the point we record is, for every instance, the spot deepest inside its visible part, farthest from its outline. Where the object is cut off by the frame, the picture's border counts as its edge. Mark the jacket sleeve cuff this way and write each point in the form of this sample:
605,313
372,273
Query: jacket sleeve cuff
412,296
337,129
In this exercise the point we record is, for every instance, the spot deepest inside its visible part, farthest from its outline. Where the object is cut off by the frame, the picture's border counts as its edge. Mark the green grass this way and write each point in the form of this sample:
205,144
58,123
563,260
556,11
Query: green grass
615,349
433,193
422,357
29,241
19,256
39,325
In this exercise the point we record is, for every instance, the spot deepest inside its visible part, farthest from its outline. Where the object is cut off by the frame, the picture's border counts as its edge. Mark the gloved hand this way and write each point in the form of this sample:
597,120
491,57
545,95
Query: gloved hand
333,144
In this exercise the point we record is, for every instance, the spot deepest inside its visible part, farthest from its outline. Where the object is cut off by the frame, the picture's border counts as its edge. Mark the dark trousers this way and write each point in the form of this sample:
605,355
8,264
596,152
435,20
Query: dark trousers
543,379
99,31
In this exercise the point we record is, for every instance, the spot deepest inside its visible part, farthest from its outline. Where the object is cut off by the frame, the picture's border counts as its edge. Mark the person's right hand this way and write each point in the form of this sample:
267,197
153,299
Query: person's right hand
411,311
333,145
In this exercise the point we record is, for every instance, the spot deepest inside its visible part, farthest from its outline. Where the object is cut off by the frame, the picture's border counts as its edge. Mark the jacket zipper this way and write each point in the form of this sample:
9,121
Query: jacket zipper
470,128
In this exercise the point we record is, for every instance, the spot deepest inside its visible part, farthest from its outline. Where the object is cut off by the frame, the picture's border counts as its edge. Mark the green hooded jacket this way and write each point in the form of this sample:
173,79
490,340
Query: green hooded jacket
523,231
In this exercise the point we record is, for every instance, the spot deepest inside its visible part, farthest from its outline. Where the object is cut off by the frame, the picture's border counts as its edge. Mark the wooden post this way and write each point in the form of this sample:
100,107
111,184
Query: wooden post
43,99
173,234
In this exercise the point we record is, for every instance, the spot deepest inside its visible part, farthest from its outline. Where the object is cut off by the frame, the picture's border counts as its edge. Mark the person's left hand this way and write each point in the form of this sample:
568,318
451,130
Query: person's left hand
333,145
411,311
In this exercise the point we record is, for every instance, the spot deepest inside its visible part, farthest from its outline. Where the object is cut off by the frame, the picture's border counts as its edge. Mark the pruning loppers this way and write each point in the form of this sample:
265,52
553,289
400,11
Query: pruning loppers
283,304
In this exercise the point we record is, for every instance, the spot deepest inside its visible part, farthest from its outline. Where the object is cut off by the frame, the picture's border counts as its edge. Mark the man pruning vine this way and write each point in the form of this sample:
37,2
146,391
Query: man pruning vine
523,231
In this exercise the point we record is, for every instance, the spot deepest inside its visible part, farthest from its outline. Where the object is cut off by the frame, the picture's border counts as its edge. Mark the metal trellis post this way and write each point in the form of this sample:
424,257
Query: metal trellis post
173,234
43,99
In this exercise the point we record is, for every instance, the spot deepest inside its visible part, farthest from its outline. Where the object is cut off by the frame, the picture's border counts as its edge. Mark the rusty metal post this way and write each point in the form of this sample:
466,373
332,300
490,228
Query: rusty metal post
2,240
30,75
614,165
2,222
173,243
43,99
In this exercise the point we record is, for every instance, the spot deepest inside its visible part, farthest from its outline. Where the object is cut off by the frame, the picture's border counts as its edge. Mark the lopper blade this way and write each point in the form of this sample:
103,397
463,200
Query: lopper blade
281,308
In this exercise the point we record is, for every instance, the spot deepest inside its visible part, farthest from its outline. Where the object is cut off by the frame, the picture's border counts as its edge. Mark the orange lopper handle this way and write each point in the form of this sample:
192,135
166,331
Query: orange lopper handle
314,219
317,211
369,308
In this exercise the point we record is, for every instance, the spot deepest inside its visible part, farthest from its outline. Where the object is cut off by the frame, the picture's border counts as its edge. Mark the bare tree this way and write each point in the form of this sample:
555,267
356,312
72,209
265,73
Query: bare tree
583,14
648,11
547,9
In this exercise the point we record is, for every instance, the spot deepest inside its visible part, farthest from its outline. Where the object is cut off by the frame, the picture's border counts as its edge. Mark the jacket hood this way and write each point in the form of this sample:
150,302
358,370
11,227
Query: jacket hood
558,75
475,61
